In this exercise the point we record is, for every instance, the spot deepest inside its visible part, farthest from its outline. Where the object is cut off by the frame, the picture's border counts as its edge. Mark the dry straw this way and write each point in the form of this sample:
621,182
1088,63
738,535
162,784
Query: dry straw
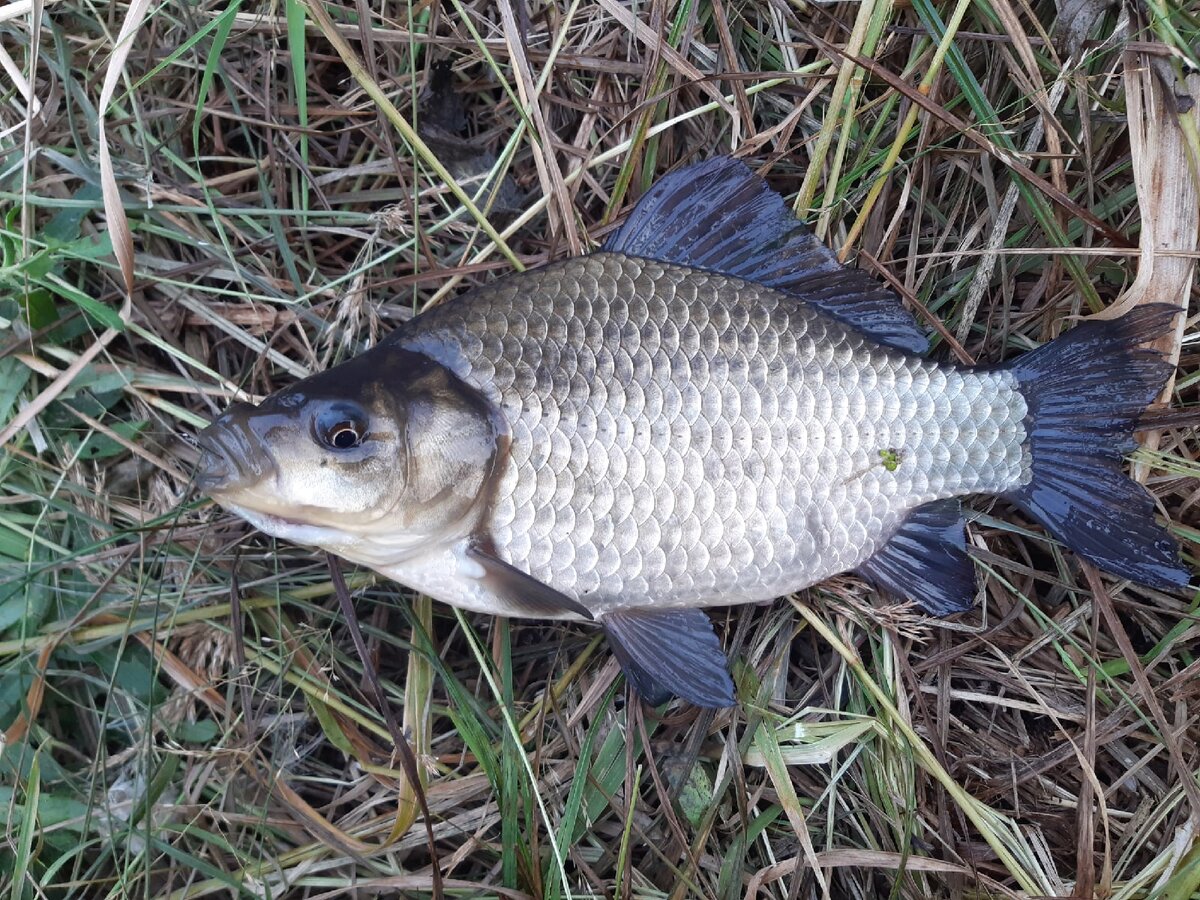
203,200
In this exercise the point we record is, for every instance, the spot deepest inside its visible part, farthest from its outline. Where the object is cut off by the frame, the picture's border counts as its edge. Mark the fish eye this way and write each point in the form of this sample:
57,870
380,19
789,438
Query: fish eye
341,427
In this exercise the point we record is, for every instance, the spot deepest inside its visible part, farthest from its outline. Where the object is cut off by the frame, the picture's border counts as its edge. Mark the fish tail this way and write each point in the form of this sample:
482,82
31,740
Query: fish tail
1085,393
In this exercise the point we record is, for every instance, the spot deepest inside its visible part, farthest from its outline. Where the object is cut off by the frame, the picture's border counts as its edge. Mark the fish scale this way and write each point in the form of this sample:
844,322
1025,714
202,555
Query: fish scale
683,438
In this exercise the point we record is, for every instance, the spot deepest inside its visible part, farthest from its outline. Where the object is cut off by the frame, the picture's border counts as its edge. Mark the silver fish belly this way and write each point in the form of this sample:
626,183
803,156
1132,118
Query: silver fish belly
681,438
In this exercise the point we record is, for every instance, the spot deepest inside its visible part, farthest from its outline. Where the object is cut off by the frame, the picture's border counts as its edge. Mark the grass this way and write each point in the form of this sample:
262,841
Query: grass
276,203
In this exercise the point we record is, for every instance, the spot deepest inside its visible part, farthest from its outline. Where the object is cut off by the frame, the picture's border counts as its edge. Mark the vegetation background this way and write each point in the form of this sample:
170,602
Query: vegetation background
184,711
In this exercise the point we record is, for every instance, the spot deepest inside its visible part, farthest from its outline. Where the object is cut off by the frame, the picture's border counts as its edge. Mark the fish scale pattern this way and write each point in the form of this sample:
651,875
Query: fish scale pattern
683,438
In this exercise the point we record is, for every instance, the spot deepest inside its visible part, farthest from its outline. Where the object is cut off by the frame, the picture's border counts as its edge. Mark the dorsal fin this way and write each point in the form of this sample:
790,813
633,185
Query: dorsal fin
718,215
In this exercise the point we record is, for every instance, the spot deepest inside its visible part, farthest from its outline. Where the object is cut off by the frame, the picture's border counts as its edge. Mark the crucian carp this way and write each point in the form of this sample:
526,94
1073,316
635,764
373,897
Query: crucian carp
709,410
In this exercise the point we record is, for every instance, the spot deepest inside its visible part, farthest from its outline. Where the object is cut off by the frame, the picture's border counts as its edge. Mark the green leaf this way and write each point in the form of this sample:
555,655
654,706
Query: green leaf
64,226
329,725
296,19
696,794
101,446
8,253
52,809
24,596
195,863
135,675
94,308
201,732
13,377
14,686
14,548
608,774
38,306
89,391
37,266
802,743
27,826
86,248
581,787
224,23
1186,880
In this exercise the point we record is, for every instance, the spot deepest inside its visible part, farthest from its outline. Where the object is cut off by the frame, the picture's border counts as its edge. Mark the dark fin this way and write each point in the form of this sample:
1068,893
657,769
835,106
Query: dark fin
926,560
1085,392
524,591
670,651
644,685
718,215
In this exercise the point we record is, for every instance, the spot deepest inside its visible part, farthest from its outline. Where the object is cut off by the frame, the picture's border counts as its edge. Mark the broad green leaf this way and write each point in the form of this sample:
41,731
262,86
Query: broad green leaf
14,375
64,226
38,306
94,308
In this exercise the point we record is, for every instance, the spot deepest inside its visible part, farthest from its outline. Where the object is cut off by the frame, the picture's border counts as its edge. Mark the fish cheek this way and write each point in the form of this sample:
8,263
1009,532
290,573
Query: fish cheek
368,486
307,483
325,487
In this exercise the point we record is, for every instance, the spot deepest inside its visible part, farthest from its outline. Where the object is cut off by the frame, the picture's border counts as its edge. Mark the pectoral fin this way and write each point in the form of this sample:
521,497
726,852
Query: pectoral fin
522,591
926,560
670,651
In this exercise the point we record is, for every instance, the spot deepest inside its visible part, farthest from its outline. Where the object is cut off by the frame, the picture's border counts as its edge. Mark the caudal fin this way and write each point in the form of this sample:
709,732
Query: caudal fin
1085,392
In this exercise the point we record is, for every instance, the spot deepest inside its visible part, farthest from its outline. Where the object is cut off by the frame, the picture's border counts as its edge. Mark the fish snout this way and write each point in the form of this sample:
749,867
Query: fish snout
213,468
231,456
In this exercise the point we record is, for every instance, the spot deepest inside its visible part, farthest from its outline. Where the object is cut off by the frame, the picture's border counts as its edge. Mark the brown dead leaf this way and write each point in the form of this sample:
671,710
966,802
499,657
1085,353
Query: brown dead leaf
1075,21
114,211
1167,178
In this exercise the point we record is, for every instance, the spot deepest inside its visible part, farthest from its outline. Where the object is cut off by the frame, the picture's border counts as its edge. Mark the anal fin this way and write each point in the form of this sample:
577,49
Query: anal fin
926,560
644,684
670,651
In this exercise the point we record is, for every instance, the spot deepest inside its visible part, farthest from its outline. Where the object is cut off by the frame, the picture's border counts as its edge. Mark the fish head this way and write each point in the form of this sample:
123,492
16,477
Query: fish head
374,459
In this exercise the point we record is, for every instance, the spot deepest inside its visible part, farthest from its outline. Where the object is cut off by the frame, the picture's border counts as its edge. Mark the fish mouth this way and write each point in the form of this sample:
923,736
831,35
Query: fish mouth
232,458
217,470
214,469
270,522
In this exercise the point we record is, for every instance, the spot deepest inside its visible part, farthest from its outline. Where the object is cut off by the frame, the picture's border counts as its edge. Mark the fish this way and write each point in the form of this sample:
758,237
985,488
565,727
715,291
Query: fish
709,410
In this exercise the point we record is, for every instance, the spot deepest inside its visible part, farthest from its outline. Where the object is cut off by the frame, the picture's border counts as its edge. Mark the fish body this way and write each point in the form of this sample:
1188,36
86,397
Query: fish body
694,439
709,411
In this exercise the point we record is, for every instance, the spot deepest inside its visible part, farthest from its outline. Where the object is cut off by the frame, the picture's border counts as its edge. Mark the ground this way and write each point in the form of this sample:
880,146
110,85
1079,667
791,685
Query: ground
184,709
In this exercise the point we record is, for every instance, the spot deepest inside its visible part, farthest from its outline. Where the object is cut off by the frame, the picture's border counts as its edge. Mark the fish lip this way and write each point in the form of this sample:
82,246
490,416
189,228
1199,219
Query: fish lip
214,468
210,478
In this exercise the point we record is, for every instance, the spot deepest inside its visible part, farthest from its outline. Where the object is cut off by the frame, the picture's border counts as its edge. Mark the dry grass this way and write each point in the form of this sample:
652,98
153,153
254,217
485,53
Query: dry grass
286,206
